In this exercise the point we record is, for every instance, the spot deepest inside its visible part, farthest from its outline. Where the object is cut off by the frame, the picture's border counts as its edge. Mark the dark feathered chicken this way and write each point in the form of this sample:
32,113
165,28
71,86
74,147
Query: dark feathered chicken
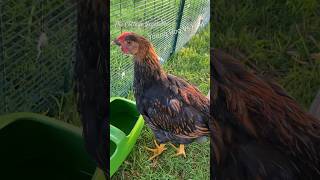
259,131
91,82
175,110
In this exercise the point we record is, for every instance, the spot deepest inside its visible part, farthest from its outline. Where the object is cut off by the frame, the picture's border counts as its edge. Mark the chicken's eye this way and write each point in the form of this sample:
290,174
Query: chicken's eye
129,42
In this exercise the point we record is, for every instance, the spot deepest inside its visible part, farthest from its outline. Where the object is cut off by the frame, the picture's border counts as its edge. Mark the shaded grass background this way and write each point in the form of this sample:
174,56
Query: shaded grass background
26,80
192,64
280,39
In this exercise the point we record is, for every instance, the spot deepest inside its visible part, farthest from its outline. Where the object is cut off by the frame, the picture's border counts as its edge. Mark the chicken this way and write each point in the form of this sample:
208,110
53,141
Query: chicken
258,131
91,72
175,110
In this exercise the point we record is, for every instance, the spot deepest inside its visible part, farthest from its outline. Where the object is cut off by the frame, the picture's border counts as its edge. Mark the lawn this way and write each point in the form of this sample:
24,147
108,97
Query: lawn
191,63
280,39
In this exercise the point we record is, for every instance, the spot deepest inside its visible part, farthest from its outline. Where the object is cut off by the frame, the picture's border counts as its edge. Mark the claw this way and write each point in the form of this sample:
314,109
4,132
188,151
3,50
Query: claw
180,150
156,151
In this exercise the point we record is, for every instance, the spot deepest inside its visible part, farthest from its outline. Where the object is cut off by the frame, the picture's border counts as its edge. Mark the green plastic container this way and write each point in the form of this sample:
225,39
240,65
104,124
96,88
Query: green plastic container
34,146
125,127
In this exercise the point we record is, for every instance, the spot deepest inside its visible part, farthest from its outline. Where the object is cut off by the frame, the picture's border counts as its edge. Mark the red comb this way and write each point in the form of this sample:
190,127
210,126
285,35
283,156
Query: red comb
123,35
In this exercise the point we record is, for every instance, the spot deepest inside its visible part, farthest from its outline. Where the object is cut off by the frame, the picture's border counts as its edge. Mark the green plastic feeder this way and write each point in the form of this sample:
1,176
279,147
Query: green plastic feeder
34,146
125,127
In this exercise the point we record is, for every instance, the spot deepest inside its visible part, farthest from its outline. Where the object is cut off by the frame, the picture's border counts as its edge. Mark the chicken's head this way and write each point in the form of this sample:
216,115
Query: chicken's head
132,43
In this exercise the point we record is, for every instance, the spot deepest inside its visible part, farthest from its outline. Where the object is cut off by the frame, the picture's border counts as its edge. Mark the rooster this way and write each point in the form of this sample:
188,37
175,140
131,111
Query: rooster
175,110
258,131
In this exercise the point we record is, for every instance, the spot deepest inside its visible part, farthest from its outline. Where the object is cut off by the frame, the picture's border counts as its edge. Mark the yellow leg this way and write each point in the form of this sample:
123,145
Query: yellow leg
156,151
180,150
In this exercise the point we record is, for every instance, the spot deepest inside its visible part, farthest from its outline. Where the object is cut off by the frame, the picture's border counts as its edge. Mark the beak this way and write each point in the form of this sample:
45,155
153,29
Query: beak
115,42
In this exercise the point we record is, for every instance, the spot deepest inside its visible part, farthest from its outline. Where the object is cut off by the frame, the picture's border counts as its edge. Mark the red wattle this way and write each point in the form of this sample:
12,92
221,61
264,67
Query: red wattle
124,50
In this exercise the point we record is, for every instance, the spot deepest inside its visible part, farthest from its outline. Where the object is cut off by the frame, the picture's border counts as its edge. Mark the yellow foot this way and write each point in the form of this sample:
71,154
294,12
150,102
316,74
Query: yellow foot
157,151
180,150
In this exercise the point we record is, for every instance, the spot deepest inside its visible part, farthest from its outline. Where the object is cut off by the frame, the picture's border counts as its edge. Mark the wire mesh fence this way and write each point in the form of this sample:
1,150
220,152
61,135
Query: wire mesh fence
168,24
37,46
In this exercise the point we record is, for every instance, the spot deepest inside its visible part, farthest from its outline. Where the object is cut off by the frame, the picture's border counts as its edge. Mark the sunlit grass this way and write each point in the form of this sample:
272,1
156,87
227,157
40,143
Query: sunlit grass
280,38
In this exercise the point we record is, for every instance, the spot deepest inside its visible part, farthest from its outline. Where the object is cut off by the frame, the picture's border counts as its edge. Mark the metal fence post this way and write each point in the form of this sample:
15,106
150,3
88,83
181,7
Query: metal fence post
178,24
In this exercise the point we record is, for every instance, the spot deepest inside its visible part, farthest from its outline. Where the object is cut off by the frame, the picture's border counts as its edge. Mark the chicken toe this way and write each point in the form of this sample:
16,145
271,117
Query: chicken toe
156,151
180,150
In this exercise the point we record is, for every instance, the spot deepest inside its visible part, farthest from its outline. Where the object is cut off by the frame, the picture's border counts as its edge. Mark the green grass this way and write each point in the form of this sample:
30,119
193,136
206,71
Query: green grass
192,64
26,78
280,38
65,109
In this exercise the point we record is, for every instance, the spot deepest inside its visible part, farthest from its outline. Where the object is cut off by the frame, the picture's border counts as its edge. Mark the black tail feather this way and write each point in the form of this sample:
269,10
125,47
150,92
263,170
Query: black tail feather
91,76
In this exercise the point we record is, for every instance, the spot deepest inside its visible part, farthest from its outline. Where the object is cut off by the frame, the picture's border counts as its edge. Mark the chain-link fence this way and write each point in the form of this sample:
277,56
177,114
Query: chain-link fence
168,24
37,46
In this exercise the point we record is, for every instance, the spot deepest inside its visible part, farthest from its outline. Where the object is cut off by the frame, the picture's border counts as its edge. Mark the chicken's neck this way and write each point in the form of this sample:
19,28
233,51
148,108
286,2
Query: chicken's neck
147,71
